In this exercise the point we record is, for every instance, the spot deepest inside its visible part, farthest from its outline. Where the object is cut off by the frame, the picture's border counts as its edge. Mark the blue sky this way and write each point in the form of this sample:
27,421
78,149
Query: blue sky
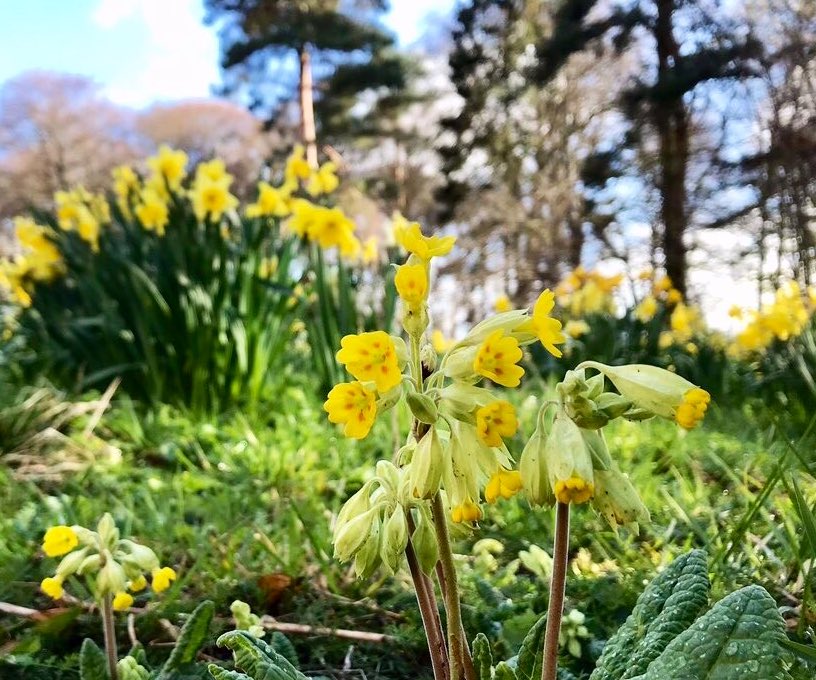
140,51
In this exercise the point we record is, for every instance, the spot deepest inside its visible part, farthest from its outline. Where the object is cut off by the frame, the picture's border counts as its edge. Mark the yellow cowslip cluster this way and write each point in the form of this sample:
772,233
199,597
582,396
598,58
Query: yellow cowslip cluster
585,292
782,319
39,260
118,564
692,408
210,194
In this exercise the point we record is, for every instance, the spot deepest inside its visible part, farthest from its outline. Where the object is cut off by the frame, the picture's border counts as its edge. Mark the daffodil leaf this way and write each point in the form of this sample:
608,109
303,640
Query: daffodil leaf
670,603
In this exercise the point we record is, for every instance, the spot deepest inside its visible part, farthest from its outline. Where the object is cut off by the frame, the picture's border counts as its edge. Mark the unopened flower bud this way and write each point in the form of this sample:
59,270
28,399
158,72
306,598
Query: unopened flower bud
388,474
367,558
108,533
90,564
422,407
426,465
424,542
140,556
350,536
71,563
427,355
415,320
356,505
394,539
535,475
598,451
111,578
618,500
612,405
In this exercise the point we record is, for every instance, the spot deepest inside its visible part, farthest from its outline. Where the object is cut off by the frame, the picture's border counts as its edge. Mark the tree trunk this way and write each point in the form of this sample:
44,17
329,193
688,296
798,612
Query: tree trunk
307,121
671,121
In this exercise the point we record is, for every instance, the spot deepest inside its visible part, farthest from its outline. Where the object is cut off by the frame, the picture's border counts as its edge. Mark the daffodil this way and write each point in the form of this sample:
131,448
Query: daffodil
371,357
152,211
330,228
211,198
354,406
169,165
323,181
646,309
297,167
496,420
575,328
59,540
502,304
503,484
272,202
496,358
371,250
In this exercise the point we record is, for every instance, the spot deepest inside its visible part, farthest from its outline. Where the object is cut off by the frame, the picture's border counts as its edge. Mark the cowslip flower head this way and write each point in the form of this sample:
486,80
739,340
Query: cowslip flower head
503,484
170,165
59,540
162,578
354,406
411,281
497,357
409,236
657,391
371,357
495,421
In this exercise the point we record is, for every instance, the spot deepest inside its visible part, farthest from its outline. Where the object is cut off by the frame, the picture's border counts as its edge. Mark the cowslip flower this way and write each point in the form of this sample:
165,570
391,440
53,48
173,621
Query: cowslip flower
170,165
162,577
411,281
466,512
52,586
496,359
59,540
371,357
323,181
122,601
503,484
409,236
495,421
547,329
354,406
568,462
138,584
693,407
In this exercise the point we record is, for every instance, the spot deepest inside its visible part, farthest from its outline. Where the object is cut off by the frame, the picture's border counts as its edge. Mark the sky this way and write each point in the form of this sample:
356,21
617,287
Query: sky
140,51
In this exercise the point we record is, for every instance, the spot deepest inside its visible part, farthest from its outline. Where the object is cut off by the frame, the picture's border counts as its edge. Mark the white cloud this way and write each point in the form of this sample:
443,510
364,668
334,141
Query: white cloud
180,57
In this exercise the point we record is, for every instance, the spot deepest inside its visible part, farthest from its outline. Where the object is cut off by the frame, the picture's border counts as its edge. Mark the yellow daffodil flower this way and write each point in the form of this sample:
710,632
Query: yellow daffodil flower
297,167
169,165
576,328
646,310
323,181
212,198
152,211
272,202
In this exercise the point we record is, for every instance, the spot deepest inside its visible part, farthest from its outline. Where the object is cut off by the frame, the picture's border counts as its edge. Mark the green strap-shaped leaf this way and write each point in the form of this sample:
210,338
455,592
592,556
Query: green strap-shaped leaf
670,603
92,662
739,639
482,657
531,652
190,640
253,655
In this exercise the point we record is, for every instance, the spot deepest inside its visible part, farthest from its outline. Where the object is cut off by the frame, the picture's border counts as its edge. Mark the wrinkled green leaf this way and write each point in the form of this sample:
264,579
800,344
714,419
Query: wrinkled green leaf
670,603
531,652
482,657
92,662
192,637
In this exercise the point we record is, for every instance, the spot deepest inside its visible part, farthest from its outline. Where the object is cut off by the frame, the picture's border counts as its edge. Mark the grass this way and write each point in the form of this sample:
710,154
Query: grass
244,508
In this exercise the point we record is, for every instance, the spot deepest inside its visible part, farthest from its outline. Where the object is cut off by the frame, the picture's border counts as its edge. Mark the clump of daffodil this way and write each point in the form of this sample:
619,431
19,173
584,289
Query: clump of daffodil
117,565
39,259
82,212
